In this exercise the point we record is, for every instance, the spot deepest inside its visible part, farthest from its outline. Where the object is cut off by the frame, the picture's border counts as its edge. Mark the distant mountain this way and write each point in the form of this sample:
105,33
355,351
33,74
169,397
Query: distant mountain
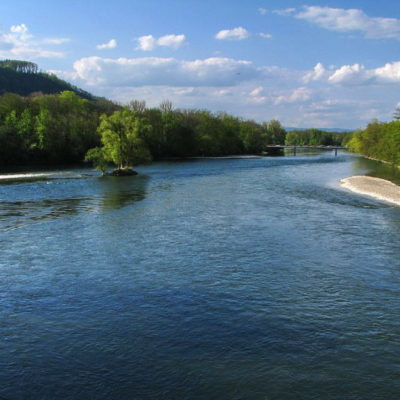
289,128
24,78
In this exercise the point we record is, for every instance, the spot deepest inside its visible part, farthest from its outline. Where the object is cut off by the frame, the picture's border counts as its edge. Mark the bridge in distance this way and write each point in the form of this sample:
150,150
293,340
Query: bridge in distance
294,148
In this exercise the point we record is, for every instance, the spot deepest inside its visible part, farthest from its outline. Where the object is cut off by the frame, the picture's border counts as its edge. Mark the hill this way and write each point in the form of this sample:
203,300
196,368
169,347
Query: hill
24,78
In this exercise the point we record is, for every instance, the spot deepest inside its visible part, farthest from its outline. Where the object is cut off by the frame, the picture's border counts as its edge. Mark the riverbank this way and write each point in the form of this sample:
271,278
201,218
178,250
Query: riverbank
377,188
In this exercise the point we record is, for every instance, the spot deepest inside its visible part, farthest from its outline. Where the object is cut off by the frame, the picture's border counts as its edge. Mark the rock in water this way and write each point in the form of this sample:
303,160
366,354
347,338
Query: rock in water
122,172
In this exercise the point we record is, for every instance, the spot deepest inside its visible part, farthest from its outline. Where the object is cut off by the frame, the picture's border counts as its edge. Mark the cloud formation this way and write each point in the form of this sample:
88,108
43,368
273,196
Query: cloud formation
257,95
238,33
343,96
20,43
356,74
111,44
316,74
215,71
298,95
351,20
149,42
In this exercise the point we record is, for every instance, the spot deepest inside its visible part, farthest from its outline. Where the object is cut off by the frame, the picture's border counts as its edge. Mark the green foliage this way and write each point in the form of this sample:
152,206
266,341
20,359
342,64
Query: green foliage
378,140
121,135
314,137
60,129
48,129
274,133
97,157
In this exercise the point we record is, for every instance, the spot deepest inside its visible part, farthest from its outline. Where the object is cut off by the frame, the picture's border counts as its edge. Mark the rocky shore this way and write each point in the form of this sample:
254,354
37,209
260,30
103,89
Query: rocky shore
377,188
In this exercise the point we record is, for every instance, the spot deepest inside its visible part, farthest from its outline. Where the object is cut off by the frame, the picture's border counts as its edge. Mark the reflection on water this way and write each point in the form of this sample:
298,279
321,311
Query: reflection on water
106,194
122,191
20,213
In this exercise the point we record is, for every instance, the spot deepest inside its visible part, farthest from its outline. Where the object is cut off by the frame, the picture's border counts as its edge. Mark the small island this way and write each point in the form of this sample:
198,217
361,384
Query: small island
122,143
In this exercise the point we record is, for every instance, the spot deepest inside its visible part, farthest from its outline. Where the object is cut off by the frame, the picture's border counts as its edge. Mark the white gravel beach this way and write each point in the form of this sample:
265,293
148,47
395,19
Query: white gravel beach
377,188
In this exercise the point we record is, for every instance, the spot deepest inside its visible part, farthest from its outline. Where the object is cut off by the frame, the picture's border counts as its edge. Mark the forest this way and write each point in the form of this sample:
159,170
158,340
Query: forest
378,140
60,128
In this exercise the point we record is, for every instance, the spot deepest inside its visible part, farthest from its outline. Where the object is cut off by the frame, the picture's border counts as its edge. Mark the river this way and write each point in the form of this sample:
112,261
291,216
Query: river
253,279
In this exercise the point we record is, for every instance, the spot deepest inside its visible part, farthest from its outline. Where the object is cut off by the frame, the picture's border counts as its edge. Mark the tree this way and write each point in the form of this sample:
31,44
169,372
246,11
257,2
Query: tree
275,133
138,106
121,136
97,157
252,136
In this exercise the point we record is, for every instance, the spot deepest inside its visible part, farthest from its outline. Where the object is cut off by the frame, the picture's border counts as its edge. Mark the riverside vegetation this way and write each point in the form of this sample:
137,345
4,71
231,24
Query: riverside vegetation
378,140
58,123
61,129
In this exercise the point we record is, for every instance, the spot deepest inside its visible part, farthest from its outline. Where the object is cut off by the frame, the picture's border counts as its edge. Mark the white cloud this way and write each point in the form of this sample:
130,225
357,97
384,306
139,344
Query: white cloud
348,74
262,11
238,33
146,43
316,74
341,20
20,43
355,74
111,44
149,42
173,41
21,31
344,96
223,92
389,72
285,12
257,95
265,35
215,71
55,41
257,91
300,94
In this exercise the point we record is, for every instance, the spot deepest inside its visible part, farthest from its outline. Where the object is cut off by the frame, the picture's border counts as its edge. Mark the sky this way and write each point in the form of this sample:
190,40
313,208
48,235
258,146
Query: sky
323,64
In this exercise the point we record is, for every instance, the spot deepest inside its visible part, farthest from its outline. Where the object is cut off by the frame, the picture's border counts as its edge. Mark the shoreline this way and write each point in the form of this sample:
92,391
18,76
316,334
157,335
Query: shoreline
379,189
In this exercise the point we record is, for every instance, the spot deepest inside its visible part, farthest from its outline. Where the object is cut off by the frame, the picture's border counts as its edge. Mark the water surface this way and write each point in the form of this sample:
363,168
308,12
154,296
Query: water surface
210,279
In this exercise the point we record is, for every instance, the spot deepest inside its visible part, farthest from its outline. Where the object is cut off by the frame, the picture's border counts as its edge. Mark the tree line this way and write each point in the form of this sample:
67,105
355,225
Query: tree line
48,129
25,67
378,140
61,128
315,137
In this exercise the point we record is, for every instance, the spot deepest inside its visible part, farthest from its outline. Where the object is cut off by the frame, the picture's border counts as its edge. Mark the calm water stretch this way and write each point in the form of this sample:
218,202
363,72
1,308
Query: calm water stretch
210,279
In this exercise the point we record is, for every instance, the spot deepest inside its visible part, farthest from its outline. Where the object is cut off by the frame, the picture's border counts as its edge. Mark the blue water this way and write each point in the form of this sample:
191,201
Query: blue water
211,279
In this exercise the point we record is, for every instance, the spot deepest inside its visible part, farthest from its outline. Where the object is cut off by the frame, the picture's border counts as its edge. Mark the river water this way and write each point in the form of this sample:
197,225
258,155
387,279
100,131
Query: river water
210,279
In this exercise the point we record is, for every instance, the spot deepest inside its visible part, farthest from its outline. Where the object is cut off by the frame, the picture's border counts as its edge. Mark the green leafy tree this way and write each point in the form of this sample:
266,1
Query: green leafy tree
274,132
252,136
98,158
378,140
121,136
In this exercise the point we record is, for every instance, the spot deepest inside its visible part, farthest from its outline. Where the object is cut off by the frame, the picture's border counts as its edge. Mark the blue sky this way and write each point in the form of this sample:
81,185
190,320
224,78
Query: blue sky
317,63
